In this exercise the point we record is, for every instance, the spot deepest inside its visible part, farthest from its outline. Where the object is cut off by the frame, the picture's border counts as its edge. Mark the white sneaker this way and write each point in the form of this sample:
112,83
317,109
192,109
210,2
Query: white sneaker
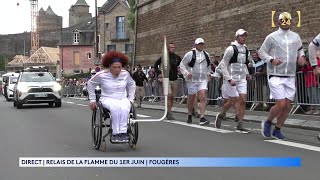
310,112
317,112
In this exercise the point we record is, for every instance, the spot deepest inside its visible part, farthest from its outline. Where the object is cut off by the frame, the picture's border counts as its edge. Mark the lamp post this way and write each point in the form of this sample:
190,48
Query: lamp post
96,35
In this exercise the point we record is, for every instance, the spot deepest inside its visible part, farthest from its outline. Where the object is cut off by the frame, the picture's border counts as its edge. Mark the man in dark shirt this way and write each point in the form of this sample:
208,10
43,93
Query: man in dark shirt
139,77
173,76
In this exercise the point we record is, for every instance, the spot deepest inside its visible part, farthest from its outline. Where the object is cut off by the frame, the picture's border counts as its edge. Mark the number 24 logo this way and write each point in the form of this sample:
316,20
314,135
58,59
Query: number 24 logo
285,22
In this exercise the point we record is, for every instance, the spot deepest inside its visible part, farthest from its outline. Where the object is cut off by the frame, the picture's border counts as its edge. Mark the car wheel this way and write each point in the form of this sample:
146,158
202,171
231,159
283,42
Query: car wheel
57,104
19,105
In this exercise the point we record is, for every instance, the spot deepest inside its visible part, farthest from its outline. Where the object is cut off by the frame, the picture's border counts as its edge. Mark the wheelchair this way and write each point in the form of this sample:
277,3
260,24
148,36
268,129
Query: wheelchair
102,120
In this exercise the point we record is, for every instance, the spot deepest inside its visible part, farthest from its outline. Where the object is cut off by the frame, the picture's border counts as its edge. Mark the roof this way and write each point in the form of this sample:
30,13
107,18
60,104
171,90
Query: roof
110,4
18,59
44,55
49,11
81,3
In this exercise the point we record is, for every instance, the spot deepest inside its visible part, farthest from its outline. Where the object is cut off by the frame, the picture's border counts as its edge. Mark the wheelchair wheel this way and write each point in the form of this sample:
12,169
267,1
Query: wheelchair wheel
96,127
134,134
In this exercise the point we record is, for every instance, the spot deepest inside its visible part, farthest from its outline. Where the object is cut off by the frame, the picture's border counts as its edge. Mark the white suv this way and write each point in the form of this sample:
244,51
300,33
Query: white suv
35,88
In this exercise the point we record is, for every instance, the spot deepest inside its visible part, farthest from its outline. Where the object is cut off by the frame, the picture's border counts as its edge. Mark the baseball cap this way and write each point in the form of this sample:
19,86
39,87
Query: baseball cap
285,15
240,32
198,41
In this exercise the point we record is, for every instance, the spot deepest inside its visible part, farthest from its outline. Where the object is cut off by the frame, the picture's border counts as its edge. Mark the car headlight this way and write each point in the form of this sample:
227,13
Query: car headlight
57,87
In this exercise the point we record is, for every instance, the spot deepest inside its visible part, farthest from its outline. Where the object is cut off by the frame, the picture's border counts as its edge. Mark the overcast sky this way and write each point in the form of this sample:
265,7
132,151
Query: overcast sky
17,19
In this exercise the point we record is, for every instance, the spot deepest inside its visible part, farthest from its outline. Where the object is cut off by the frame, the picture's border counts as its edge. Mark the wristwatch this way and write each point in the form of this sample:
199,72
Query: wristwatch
271,60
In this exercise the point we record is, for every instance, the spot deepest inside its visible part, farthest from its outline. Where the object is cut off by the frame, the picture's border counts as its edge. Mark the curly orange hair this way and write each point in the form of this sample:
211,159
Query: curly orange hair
108,58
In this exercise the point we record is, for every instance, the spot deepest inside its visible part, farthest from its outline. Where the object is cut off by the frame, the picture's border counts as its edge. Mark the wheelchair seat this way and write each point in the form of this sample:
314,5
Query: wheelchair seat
106,112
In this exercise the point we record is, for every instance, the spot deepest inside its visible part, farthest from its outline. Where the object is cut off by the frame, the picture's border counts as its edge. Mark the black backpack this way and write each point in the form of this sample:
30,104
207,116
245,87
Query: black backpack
235,58
235,55
193,60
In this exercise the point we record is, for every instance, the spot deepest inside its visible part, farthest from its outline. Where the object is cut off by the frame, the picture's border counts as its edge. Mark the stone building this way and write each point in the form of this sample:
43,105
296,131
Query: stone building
114,32
48,20
79,12
216,21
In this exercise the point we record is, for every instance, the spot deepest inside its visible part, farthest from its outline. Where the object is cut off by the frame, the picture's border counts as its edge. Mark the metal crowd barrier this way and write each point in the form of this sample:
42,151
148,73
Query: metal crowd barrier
72,91
258,92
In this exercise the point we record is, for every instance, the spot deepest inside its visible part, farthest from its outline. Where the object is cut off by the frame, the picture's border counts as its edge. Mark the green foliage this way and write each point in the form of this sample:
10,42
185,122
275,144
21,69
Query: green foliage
131,14
2,62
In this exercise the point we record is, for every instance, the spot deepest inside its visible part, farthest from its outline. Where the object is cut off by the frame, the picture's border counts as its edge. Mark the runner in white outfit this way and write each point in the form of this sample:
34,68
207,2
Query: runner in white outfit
117,91
235,72
313,47
281,50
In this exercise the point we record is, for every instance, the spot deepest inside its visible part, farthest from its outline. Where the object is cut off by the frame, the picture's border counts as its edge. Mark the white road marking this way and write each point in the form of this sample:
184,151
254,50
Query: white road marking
200,127
69,102
82,105
139,115
286,143
143,116
297,145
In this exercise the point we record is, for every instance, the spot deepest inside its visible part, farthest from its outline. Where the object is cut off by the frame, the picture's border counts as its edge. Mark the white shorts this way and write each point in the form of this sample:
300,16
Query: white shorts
224,92
234,91
282,88
194,87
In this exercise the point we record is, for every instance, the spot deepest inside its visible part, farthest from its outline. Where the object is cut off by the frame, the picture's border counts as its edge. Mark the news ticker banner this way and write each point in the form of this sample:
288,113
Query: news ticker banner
159,162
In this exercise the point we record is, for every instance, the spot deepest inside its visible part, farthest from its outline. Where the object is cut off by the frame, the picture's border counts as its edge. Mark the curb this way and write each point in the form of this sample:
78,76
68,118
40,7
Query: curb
291,123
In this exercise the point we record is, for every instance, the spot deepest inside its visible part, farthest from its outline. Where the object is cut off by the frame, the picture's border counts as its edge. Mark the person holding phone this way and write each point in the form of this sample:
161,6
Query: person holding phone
281,50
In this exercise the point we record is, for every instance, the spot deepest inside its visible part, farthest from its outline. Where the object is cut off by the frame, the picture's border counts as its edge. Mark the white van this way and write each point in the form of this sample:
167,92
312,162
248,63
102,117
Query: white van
8,82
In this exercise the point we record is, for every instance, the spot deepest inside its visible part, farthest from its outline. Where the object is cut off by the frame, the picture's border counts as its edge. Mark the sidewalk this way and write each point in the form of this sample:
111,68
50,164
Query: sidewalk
309,122
297,121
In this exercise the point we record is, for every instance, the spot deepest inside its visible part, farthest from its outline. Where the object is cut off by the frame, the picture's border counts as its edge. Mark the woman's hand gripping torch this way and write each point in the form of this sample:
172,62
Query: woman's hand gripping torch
165,69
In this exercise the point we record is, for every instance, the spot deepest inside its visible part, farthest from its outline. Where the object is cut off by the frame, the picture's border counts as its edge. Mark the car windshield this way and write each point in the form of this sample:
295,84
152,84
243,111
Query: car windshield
13,78
36,77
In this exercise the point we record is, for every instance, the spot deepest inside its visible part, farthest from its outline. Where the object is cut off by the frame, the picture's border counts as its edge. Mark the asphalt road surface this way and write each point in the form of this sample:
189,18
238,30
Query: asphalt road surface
40,131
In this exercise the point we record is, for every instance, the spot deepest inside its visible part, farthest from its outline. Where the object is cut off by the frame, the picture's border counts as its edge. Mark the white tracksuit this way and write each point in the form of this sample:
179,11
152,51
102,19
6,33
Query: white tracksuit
116,95
313,47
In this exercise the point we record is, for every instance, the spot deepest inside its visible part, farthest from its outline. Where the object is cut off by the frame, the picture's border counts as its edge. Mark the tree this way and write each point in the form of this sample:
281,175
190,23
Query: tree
132,14
2,62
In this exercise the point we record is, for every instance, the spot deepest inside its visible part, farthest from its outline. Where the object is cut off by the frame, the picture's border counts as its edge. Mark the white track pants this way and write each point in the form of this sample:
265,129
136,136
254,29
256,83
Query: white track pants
119,109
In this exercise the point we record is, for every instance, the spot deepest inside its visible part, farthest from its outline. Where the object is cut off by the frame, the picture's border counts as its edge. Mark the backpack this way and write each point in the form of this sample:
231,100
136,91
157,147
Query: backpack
193,60
235,55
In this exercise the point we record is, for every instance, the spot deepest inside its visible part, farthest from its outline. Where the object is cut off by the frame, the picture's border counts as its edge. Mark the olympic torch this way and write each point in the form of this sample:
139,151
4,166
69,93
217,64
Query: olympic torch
165,70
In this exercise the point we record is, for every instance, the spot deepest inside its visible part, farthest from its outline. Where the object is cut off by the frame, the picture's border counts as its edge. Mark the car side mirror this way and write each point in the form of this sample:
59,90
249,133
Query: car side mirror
58,80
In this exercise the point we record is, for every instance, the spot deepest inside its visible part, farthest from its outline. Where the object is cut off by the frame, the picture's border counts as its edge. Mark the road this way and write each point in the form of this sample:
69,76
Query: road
40,131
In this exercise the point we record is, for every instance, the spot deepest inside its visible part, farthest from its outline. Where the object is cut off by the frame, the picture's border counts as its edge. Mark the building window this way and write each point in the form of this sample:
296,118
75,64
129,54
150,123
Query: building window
107,26
120,27
128,48
98,41
89,55
76,37
76,58
111,47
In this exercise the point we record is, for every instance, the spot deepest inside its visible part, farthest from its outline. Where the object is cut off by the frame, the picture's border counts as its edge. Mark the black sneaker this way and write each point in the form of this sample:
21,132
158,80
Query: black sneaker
189,119
169,116
115,138
241,129
219,118
124,137
203,121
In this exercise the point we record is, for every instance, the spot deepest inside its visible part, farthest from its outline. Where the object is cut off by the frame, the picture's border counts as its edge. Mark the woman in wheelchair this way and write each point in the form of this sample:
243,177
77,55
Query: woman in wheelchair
117,92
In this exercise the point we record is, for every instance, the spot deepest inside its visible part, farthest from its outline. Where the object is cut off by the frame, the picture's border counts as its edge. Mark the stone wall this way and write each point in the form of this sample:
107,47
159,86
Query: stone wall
216,21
